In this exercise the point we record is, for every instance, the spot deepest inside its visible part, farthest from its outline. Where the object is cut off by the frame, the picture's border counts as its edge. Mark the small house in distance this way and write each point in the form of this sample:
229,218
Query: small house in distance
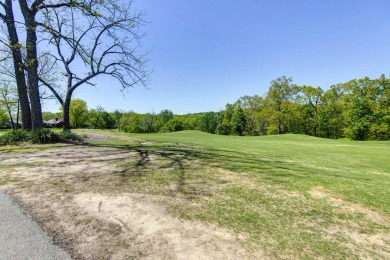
11,124
53,123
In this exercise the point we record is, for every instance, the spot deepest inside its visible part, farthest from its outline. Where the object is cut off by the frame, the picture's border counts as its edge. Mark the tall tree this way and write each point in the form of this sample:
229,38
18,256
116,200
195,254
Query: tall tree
238,121
149,121
78,111
3,117
104,36
9,101
360,103
118,114
11,41
312,97
31,62
209,122
330,116
279,96
225,117
253,106
165,115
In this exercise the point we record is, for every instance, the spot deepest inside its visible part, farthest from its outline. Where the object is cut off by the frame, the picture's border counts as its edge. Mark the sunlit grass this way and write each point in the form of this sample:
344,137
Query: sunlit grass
266,189
293,196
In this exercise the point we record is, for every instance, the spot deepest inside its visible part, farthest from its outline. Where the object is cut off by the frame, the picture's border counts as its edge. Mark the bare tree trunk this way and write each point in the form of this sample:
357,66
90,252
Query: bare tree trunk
10,115
18,66
66,112
32,65
17,115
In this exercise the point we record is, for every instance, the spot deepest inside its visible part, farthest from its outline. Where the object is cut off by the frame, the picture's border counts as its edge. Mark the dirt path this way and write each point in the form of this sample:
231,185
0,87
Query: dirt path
74,194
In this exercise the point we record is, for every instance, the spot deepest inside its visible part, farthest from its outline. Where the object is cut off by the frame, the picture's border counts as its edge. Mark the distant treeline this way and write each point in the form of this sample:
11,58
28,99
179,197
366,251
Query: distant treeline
358,109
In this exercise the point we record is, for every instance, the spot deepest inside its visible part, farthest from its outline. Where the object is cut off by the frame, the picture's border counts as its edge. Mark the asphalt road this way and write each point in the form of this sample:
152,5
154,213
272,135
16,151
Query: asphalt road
21,237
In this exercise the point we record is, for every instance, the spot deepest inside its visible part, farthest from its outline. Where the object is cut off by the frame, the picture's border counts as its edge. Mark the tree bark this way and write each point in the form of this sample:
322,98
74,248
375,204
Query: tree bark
32,65
18,66
66,110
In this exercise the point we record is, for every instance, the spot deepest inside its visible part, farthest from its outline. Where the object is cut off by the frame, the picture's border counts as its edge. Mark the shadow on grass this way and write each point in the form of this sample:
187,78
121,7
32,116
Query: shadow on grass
183,158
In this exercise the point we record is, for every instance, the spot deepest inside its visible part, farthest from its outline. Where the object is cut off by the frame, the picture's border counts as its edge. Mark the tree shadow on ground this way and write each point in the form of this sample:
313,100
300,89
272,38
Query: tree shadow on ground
182,159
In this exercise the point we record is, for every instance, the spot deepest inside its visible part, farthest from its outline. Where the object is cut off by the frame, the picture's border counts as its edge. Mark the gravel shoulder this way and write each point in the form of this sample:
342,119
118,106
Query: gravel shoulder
21,237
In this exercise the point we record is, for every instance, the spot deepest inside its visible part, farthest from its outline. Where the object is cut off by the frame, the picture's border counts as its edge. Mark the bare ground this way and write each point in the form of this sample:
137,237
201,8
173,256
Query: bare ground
74,193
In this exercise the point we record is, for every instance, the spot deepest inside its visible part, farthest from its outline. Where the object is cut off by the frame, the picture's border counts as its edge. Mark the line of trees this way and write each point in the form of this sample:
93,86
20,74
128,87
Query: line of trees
358,109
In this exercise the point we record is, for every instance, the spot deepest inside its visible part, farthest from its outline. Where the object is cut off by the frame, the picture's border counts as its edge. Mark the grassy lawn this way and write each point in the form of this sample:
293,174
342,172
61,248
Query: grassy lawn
292,195
295,195
3,131
357,171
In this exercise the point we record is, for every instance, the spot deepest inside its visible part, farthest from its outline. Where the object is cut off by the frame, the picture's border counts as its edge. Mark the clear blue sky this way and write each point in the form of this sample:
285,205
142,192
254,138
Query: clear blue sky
207,53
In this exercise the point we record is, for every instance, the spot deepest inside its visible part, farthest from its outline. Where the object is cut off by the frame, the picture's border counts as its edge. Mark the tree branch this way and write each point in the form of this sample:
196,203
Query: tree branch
52,90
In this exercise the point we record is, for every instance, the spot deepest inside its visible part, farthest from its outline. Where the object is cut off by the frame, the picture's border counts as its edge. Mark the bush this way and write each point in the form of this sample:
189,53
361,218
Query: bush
67,136
174,125
39,136
13,137
43,136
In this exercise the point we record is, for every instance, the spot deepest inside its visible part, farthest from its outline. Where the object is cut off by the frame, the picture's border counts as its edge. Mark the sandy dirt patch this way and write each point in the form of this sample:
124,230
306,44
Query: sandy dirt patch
144,220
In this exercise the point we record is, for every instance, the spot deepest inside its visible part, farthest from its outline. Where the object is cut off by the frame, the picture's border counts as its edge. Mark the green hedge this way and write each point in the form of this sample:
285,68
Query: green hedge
39,136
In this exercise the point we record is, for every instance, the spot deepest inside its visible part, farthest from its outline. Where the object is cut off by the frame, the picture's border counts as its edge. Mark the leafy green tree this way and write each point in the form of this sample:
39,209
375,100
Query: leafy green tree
165,115
9,101
380,129
252,106
279,97
117,115
193,122
224,126
47,115
360,105
312,99
94,118
358,119
108,121
330,114
3,118
131,122
138,123
78,112
174,125
297,119
238,121
149,122
209,122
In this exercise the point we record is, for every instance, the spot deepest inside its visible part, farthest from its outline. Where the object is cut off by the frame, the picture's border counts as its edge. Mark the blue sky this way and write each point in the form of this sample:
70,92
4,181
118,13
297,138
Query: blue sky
206,53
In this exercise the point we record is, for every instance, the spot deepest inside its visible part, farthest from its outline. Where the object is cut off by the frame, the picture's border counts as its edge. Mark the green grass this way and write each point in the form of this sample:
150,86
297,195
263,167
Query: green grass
268,194
293,196
3,131
357,171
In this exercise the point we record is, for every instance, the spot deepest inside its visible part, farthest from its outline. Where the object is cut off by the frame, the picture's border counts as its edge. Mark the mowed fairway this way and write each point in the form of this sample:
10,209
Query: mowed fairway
292,194
288,196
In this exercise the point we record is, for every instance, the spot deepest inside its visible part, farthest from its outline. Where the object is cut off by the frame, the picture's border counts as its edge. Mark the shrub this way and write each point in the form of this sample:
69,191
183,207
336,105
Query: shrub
67,136
13,137
43,136
174,125
39,136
